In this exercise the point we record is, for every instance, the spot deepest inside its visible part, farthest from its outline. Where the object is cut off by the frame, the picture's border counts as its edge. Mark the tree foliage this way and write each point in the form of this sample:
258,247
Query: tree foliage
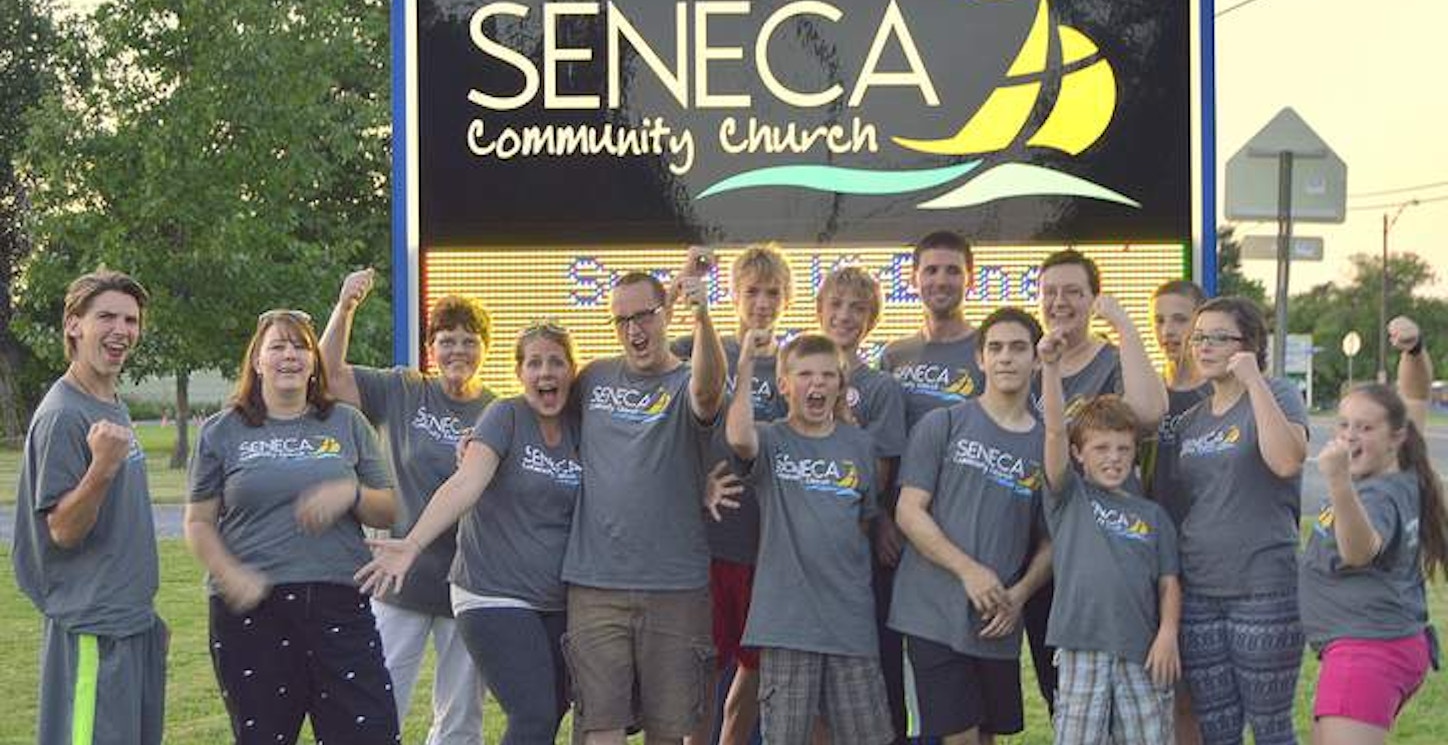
1330,311
232,156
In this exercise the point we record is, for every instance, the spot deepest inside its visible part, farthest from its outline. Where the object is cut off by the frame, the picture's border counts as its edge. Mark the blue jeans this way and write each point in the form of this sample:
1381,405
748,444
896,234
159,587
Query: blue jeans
517,650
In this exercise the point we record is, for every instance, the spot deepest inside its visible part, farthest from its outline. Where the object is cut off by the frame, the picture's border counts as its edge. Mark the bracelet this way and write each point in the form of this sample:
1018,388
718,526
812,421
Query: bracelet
1417,347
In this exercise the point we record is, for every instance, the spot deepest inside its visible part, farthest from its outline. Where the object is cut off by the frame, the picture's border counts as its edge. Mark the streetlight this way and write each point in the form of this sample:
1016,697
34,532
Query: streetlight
1383,295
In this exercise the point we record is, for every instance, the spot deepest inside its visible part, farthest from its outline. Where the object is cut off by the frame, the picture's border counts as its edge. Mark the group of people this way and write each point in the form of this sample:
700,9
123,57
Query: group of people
861,549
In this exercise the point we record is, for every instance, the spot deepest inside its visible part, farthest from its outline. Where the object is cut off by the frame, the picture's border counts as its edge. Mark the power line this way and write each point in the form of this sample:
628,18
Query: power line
1242,4
1398,190
1390,205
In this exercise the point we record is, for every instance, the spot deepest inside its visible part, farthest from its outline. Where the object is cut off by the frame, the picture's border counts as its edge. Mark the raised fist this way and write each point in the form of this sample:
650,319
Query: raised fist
356,286
1403,333
109,443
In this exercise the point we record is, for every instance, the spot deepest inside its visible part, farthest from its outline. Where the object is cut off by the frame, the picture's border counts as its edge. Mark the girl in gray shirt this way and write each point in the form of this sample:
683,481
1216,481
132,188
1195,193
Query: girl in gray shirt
1364,601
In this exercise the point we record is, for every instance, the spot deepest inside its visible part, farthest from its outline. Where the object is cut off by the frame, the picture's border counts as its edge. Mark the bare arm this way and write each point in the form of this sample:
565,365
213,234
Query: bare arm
240,586
341,382
1053,404
706,385
76,512
1036,575
739,429
912,514
1358,542
377,508
1282,443
1163,659
1415,371
1141,388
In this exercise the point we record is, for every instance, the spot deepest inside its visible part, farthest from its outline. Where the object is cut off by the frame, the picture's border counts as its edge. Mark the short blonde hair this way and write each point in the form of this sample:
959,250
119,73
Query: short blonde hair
764,262
853,280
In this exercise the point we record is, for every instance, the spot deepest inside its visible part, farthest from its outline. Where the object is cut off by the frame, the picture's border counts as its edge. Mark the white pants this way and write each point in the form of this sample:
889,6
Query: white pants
457,686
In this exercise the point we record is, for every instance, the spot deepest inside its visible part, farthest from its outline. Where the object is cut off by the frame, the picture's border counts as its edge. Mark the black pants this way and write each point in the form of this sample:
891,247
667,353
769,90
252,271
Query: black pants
892,650
308,650
1038,612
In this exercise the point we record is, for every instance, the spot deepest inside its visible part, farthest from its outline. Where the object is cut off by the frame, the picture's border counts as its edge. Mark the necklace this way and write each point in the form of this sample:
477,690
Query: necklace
76,381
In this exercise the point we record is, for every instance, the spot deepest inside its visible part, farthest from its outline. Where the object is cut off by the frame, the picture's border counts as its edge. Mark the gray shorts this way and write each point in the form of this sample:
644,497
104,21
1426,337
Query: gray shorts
795,687
653,643
101,689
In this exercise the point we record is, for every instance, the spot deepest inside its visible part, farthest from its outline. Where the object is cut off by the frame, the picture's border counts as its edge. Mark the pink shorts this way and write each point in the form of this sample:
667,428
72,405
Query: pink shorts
1369,680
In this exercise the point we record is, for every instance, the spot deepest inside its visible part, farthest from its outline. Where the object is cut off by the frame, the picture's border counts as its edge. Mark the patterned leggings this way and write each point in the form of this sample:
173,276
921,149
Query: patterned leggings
1242,656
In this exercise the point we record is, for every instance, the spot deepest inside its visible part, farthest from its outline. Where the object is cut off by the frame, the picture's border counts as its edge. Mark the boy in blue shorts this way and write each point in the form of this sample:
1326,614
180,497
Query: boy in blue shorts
1117,610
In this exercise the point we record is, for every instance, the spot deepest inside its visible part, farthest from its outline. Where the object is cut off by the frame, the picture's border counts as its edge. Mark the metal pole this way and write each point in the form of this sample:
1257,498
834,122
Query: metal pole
1284,260
1383,307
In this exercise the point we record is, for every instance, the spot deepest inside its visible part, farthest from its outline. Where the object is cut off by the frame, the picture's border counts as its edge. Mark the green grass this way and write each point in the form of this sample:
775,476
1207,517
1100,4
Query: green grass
194,713
168,485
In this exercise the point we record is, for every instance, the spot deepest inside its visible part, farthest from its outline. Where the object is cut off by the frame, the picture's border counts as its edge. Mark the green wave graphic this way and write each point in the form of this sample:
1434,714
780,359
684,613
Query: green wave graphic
1023,180
840,180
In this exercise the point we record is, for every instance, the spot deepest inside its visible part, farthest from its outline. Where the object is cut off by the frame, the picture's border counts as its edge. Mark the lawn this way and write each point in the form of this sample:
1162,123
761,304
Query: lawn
194,712
168,485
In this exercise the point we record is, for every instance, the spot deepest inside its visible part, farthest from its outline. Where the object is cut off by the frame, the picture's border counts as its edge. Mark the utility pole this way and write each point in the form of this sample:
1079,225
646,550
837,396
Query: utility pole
1383,293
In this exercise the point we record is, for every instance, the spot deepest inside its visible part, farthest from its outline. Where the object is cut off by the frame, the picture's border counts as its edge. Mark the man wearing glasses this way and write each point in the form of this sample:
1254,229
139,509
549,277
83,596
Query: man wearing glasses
85,542
638,642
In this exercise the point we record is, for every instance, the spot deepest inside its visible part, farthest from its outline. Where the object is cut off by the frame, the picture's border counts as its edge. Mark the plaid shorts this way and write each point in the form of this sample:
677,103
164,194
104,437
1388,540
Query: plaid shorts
1102,695
795,686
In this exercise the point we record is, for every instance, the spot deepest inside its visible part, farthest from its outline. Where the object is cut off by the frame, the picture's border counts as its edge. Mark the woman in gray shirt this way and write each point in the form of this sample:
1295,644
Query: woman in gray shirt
514,492
281,485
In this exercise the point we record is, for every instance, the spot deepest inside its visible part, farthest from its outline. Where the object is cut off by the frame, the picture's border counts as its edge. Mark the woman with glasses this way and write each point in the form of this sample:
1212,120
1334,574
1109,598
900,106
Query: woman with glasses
514,492
282,482
422,417
1238,459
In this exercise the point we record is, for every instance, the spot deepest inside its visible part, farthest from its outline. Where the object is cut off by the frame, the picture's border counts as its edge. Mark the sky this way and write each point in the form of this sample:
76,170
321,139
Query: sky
1367,77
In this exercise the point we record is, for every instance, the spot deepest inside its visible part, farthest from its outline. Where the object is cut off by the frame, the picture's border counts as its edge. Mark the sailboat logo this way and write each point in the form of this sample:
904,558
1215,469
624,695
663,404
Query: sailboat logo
1083,109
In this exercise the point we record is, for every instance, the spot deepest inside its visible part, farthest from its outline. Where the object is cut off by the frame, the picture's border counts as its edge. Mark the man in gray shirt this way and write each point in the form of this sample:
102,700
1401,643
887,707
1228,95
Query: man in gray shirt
638,642
85,543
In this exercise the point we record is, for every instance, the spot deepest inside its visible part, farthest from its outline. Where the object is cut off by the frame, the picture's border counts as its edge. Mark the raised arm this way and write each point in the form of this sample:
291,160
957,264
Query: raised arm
76,512
393,557
739,429
1358,542
1415,368
1141,388
982,585
338,335
1053,405
706,384
1282,443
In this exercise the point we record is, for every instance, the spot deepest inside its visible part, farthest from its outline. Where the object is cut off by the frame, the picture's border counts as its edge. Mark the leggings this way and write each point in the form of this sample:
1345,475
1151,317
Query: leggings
1242,656
518,652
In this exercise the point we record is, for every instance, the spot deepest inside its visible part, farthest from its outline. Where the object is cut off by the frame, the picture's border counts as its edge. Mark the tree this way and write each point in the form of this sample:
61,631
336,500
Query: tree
1330,311
1230,279
232,156
29,41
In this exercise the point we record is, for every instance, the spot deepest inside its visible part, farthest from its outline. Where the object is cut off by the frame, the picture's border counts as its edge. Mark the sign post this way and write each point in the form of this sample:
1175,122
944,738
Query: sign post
1352,343
1310,186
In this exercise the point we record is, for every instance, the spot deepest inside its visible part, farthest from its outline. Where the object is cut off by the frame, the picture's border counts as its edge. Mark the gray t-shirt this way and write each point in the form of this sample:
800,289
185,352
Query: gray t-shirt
106,585
1240,532
639,523
735,537
933,374
259,473
1108,550
878,403
511,543
1383,600
420,427
1160,454
985,484
812,584
1100,376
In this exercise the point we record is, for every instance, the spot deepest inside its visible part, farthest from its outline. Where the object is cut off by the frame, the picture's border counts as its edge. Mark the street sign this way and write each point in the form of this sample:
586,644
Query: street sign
1319,176
1299,354
1304,248
1352,343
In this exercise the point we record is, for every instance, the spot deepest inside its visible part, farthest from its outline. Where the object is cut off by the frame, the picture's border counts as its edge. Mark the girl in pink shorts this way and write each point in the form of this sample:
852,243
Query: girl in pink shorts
1362,592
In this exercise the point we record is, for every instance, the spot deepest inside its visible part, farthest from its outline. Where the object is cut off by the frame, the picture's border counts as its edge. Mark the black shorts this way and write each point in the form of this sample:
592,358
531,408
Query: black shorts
950,692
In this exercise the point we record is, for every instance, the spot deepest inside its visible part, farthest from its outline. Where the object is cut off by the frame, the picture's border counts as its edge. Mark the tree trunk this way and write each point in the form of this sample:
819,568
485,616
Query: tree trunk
183,421
13,407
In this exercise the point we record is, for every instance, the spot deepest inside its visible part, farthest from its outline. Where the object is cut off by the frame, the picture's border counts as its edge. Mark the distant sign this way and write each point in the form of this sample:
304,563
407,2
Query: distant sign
1319,177
1304,248
1298,355
1352,343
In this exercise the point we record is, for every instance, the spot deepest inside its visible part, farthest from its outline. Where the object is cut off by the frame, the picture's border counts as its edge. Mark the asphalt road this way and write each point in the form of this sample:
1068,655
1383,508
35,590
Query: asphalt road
168,517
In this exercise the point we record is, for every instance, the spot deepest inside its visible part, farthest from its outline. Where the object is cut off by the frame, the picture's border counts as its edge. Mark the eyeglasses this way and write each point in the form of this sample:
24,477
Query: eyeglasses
640,318
300,317
1217,339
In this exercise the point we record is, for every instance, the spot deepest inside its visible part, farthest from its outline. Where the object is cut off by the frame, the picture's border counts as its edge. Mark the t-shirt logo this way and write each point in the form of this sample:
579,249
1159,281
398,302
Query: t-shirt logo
1322,526
937,381
1212,443
136,452
1021,477
445,428
563,471
1121,524
1166,432
316,447
852,397
629,404
840,478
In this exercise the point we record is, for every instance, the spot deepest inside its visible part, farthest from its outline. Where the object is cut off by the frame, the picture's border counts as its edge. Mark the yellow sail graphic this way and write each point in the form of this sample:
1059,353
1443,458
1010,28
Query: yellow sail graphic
1078,118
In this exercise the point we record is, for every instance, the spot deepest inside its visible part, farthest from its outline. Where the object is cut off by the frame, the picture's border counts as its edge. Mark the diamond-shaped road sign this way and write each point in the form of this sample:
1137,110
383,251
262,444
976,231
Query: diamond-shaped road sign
1319,177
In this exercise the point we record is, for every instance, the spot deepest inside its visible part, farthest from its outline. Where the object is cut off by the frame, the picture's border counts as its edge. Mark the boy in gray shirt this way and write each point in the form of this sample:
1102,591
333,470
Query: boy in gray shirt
970,501
85,543
812,613
1117,608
